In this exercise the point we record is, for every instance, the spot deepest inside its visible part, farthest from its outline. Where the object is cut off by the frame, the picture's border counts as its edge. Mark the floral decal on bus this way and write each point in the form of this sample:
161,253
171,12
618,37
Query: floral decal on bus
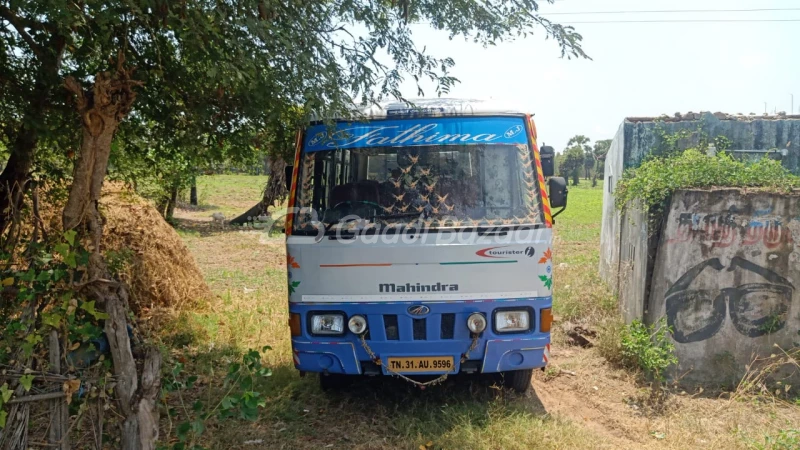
291,264
546,258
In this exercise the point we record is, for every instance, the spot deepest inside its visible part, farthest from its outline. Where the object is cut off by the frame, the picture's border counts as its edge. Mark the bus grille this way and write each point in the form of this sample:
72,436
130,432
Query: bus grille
390,326
416,329
419,330
448,328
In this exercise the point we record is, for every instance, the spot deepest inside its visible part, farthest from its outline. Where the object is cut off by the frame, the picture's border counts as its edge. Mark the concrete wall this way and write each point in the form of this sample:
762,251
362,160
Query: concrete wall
634,262
610,230
639,137
727,278
642,136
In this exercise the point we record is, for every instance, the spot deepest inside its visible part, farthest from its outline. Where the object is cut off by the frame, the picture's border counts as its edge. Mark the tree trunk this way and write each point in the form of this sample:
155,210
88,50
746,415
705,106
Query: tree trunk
193,192
173,200
101,111
161,206
275,192
14,179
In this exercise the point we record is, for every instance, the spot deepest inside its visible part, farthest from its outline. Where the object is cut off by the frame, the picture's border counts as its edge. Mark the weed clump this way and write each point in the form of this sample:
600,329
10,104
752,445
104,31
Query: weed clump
648,348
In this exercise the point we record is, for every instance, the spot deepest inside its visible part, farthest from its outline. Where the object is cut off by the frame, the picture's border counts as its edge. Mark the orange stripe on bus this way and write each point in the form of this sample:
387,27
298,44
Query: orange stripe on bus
545,200
293,190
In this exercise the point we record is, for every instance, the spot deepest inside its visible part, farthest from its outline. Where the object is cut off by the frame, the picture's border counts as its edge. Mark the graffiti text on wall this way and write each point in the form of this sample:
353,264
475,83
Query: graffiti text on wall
755,309
723,230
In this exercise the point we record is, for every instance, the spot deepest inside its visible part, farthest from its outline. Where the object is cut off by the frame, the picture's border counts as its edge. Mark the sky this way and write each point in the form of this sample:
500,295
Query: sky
637,69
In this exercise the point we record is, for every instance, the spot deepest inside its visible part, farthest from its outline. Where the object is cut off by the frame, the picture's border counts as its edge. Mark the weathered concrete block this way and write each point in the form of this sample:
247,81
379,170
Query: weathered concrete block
622,245
727,279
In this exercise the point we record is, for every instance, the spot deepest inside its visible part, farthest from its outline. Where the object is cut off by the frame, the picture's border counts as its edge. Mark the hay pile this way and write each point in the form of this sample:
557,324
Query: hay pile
155,263
142,249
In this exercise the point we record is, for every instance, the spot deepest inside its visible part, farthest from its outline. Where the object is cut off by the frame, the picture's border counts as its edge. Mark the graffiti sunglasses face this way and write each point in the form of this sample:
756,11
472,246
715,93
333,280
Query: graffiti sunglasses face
756,309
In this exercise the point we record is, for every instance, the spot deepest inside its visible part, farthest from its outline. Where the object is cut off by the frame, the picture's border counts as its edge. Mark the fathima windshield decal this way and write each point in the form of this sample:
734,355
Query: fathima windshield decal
415,132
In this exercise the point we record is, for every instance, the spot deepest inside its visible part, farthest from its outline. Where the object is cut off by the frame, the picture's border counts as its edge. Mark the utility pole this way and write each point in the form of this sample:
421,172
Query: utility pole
765,107
792,110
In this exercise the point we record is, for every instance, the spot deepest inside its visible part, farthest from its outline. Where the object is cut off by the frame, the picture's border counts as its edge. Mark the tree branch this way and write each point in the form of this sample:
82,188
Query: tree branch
73,86
20,24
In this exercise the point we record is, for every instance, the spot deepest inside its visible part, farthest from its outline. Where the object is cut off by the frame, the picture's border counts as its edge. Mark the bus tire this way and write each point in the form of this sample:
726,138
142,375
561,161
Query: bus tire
332,381
518,380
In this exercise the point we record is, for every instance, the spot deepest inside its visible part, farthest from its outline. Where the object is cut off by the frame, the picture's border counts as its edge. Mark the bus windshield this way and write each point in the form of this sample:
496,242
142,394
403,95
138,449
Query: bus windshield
433,186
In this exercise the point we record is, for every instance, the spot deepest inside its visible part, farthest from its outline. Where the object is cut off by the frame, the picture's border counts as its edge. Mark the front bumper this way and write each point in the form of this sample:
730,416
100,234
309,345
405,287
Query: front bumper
421,336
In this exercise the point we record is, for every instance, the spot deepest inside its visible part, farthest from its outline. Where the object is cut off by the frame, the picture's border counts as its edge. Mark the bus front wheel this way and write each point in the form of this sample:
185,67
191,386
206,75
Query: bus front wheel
518,380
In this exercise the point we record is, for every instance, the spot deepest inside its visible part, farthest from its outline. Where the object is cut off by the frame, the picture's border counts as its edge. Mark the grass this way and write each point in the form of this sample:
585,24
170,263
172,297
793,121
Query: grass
579,293
592,409
230,195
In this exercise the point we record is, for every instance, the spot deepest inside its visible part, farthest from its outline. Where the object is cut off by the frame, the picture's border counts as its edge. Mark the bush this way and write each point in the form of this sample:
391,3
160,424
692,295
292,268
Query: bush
648,348
656,179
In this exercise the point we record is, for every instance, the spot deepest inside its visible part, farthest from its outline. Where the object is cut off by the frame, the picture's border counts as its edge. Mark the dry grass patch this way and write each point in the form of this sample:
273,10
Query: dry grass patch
141,249
609,402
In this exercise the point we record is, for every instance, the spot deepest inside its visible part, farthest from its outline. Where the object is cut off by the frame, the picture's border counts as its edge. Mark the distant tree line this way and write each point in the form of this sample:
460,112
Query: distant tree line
582,158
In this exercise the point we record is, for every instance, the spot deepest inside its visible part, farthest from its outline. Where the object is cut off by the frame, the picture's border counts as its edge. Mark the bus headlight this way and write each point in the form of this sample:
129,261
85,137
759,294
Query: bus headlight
476,323
327,324
512,321
357,325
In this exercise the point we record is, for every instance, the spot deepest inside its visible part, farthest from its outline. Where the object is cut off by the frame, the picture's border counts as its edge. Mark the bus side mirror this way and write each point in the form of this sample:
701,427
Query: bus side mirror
547,154
288,171
558,193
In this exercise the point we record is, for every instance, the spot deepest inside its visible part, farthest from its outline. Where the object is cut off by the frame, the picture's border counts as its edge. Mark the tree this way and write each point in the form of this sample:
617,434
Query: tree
600,150
572,164
588,160
193,81
232,68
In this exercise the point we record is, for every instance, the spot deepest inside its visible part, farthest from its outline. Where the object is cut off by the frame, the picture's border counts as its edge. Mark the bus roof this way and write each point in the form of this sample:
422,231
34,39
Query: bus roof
432,107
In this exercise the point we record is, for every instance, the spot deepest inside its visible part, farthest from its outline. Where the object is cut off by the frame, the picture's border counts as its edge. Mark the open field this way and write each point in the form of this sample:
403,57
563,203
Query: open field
600,406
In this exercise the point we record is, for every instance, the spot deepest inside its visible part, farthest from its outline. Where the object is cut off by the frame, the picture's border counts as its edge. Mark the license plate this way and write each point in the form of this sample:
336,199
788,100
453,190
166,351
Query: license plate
422,364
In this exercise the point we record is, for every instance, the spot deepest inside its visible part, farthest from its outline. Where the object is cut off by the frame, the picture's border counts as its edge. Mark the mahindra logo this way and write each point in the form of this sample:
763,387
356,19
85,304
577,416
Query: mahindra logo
418,310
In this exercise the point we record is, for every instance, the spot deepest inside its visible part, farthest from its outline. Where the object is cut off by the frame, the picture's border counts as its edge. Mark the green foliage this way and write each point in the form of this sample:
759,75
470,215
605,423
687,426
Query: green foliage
47,283
572,163
5,396
44,282
656,179
119,260
649,348
784,440
229,81
26,381
239,399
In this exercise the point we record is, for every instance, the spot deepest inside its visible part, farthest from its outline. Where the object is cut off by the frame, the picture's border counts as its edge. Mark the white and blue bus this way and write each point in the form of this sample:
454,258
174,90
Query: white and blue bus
419,244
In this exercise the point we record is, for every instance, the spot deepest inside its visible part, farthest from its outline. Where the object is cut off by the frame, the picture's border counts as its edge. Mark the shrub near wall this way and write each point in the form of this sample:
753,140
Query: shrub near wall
655,180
